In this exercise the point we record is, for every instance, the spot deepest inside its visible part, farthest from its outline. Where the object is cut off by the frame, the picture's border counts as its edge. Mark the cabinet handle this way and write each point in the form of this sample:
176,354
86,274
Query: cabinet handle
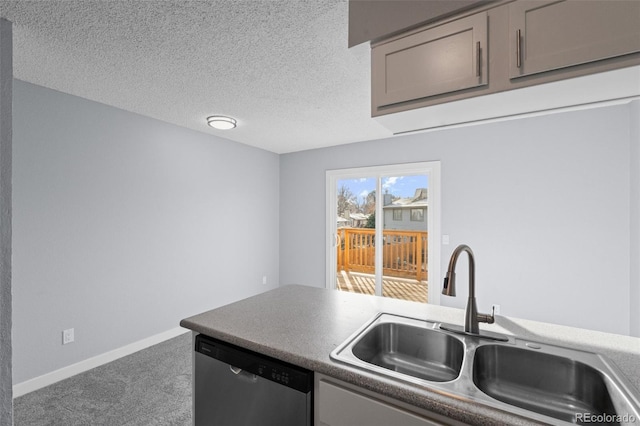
478,63
518,53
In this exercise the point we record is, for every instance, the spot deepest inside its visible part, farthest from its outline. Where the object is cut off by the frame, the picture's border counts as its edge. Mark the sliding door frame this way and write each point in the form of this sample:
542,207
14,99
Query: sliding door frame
430,169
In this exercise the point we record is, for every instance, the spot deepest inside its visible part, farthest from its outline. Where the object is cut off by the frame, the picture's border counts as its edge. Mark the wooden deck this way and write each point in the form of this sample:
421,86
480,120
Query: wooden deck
396,288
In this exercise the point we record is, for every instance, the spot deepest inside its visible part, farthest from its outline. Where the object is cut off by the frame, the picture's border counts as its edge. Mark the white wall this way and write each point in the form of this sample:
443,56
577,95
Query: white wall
544,202
124,225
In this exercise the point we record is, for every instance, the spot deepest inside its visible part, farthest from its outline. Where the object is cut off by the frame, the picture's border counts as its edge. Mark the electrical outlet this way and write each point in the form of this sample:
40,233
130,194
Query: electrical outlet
264,279
67,336
496,309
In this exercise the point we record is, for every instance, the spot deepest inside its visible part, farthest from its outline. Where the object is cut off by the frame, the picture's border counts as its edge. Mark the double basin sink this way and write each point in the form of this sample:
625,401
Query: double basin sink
543,382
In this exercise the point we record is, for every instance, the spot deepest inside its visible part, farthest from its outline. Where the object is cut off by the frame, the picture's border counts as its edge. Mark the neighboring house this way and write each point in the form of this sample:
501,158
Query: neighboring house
407,214
358,220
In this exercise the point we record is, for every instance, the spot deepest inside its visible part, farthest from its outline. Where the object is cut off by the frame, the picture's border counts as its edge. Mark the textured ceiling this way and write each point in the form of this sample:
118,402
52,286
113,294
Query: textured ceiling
280,67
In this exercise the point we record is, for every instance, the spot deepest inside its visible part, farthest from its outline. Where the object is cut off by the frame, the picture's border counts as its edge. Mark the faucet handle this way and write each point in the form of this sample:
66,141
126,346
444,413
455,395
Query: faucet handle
488,318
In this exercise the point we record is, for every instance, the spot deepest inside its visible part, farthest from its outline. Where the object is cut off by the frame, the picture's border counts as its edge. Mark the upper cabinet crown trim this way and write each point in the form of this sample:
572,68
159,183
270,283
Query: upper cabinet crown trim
371,20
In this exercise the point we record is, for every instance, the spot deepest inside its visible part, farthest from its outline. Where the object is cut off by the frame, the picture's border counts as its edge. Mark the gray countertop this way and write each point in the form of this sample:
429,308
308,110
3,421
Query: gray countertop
302,325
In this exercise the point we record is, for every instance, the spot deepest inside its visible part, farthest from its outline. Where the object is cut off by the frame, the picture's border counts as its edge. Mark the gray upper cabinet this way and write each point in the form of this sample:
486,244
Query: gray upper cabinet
501,46
549,35
438,60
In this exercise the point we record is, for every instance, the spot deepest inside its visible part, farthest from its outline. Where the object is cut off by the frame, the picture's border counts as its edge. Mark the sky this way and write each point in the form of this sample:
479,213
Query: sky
399,186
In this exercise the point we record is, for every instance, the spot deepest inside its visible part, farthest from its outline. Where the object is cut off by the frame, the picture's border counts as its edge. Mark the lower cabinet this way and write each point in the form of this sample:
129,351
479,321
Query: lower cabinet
342,404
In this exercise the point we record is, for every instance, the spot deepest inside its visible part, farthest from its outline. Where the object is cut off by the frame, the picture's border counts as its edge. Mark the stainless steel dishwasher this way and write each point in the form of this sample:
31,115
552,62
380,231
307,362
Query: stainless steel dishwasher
236,387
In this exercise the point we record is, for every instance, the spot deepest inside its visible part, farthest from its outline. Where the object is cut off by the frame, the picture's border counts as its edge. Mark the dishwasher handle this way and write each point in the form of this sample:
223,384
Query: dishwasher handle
245,376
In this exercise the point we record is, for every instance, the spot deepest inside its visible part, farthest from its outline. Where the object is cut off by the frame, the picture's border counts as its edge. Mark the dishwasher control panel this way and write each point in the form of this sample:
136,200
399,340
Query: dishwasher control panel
273,373
243,359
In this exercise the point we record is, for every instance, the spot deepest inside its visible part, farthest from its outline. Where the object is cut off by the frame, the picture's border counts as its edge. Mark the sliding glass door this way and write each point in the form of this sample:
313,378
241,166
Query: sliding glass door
382,229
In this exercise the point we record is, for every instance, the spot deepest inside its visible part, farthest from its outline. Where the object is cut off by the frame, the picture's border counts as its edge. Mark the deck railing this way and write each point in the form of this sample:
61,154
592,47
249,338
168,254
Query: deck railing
404,253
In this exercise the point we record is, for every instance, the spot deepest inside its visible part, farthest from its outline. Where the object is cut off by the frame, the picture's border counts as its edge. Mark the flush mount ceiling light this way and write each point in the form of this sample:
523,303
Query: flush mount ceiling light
221,122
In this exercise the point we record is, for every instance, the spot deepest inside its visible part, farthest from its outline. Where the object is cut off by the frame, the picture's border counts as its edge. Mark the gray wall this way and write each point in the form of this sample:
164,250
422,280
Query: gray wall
123,225
543,201
6,89
634,299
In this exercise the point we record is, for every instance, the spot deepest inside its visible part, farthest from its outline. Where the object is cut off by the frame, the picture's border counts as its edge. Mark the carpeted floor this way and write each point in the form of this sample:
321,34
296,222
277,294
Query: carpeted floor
149,387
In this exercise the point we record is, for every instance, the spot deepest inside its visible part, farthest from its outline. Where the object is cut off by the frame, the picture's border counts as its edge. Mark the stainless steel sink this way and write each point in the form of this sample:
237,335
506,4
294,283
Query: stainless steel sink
548,383
405,348
416,351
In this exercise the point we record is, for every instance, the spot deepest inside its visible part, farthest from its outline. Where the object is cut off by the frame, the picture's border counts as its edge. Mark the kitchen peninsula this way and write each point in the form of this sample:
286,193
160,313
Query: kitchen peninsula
303,325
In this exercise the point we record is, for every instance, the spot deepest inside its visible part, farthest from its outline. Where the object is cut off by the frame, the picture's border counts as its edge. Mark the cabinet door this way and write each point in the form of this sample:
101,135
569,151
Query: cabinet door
547,35
438,60
342,407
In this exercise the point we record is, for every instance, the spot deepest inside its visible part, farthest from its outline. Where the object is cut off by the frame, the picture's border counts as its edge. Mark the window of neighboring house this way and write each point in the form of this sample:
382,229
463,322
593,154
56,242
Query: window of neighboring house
397,214
417,215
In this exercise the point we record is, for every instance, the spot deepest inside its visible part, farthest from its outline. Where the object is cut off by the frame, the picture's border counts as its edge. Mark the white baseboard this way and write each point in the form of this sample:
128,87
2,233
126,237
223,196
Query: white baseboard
96,361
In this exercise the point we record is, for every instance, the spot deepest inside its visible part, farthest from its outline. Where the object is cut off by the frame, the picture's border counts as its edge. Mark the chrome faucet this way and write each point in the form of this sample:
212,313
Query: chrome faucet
472,317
